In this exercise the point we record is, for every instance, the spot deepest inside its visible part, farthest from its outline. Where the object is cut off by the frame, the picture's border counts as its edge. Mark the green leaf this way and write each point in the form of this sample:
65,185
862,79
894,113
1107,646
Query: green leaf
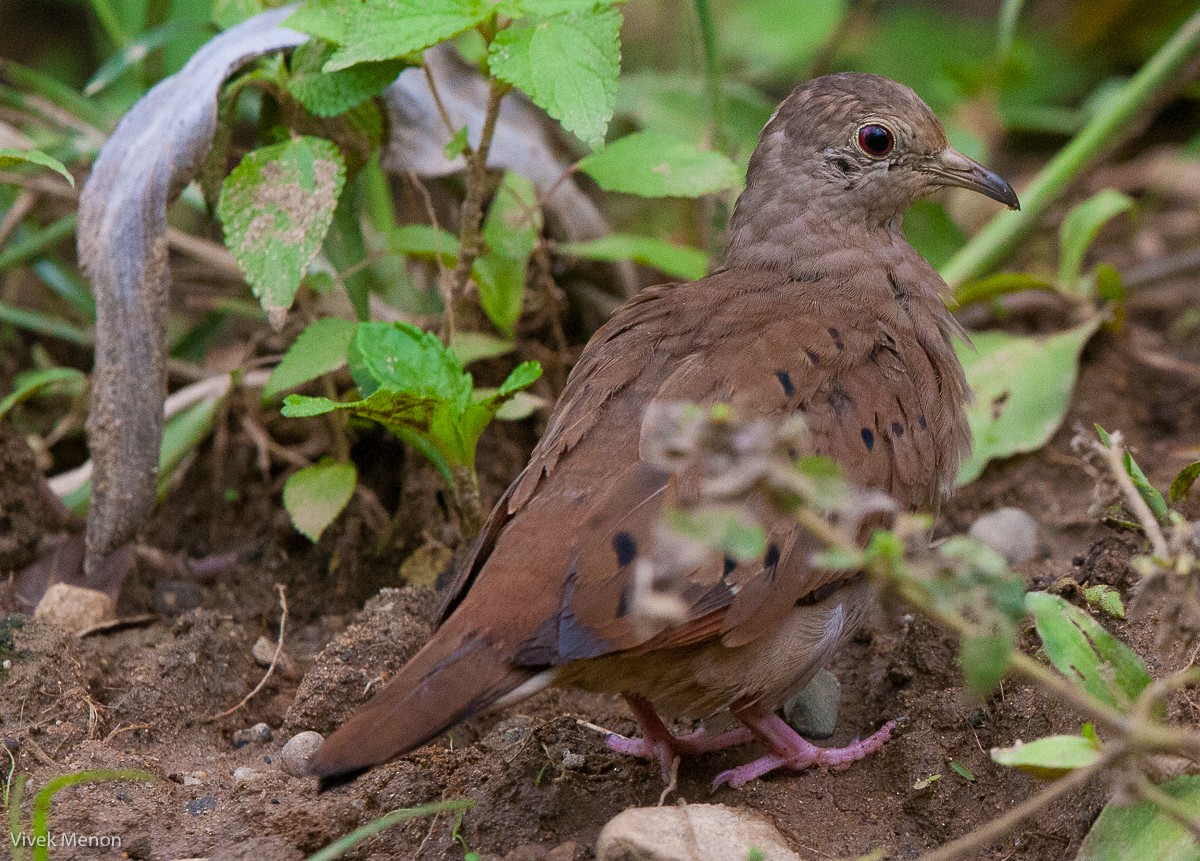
386,29
931,230
984,661
1022,388
1146,490
424,241
650,164
276,207
1124,832
677,260
521,406
416,387
31,383
316,495
10,157
1082,650
1080,227
473,346
457,144
567,64
227,13
1049,757
136,51
732,531
1001,284
328,94
962,771
510,230
1106,599
325,19
1183,482
319,349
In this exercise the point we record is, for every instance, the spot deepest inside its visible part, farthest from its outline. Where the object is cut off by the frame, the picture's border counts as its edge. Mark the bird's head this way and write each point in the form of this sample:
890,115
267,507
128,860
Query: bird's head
859,150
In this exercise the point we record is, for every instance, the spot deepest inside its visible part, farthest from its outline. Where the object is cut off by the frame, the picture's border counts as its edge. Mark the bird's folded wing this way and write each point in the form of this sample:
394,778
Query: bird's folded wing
560,547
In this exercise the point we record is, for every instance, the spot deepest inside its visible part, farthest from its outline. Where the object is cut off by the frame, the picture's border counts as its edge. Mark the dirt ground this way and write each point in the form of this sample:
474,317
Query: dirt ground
542,782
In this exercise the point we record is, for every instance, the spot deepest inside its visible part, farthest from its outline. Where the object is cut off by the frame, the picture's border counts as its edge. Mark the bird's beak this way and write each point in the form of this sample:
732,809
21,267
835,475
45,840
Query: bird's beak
950,167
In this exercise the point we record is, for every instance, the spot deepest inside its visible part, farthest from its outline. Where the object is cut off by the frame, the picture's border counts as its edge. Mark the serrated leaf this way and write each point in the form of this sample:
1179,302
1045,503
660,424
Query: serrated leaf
1080,227
276,207
32,383
325,19
1022,388
984,660
386,29
650,164
1183,482
316,495
1124,832
10,157
1049,757
567,64
1081,649
328,94
319,349
668,258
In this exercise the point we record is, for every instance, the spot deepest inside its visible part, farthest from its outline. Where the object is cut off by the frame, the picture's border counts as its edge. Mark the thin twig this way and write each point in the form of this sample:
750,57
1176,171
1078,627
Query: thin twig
445,287
470,234
437,99
969,845
16,213
274,659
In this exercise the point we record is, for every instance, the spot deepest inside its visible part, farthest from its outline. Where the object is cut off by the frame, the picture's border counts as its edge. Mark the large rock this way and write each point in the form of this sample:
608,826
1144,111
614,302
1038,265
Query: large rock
74,608
694,832
1011,532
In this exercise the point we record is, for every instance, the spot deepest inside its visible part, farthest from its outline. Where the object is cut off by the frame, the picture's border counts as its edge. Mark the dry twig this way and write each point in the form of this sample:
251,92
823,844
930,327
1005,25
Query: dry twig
274,660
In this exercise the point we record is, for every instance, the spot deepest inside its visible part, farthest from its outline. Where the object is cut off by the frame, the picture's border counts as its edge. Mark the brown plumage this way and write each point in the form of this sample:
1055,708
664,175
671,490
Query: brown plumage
821,307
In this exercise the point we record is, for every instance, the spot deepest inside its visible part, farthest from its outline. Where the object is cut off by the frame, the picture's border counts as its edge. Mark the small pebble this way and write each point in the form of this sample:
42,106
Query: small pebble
294,757
1010,532
203,804
814,711
574,761
74,608
256,734
263,651
244,774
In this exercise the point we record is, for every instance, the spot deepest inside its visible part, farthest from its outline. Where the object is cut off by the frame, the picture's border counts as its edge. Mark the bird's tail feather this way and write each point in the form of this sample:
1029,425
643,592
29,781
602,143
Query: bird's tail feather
432,692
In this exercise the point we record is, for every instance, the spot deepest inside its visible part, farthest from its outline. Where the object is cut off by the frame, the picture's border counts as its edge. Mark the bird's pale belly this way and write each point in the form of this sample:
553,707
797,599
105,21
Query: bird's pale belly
698,680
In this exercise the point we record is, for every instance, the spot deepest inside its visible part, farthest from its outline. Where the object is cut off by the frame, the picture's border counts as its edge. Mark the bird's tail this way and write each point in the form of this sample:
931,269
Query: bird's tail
443,684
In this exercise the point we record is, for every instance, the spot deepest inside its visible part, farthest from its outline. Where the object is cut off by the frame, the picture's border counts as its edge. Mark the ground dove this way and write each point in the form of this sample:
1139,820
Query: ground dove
821,308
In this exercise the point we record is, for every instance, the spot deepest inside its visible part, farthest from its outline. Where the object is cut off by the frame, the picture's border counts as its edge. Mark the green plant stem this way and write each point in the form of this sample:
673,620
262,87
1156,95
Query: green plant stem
468,500
343,845
110,21
13,800
470,231
1004,231
40,821
713,76
44,324
1006,31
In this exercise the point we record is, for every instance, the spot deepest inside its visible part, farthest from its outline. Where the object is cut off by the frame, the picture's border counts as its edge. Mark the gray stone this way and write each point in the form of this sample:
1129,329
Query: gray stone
693,832
1010,532
814,711
74,608
294,757
256,734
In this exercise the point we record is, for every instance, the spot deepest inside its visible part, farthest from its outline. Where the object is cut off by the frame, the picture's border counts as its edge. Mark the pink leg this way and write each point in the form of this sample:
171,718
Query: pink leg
658,743
789,750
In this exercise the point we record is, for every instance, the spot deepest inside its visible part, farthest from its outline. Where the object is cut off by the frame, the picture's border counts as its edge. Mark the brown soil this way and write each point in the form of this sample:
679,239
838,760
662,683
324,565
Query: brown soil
139,697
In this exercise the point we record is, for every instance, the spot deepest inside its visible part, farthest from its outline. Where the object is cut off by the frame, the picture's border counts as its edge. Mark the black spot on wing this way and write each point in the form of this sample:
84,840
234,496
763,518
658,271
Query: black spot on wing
897,429
730,564
868,439
625,547
785,380
837,338
812,356
771,558
921,421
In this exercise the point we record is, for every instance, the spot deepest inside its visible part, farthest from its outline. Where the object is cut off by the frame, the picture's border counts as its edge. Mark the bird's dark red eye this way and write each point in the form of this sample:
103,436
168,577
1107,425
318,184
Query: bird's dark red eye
876,140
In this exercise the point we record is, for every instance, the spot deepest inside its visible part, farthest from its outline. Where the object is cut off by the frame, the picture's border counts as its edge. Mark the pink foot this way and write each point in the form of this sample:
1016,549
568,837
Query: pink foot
658,743
790,750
